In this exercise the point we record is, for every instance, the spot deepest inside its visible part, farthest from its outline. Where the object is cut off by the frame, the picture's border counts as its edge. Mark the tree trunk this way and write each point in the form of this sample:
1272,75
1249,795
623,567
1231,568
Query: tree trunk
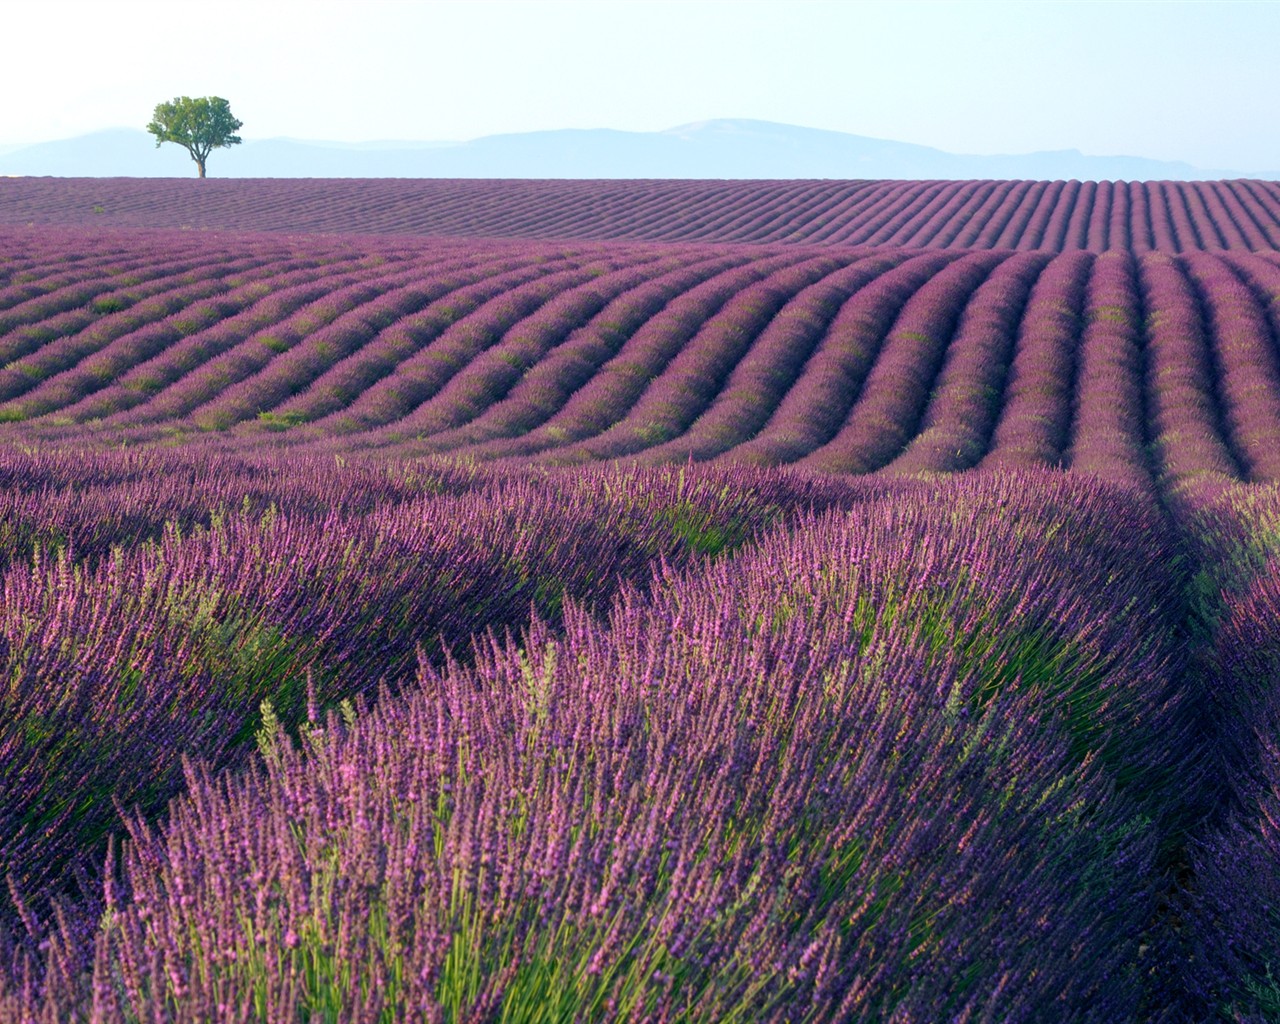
200,165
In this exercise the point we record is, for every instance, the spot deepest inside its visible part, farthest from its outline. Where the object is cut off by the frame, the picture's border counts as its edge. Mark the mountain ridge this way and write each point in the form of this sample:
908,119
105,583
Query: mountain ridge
724,148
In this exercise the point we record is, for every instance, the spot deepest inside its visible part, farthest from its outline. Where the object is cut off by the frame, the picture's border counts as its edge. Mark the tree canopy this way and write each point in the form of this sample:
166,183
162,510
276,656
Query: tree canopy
198,125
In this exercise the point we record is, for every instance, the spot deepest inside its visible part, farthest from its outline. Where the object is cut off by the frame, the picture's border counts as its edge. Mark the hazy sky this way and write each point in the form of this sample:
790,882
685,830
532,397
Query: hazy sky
1189,81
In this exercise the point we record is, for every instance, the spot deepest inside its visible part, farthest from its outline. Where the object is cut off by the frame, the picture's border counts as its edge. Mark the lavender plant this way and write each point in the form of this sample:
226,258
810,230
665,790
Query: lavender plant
1186,424
1107,437
813,409
546,385
878,830
956,427
892,399
675,396
771,366
1034,419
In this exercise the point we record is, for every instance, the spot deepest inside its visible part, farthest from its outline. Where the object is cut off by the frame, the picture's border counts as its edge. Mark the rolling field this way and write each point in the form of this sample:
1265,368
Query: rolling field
639,601
1057,216
1156,370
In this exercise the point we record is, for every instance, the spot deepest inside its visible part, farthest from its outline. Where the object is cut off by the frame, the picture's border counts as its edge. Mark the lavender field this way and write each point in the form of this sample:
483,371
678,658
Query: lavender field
639,601
1057,216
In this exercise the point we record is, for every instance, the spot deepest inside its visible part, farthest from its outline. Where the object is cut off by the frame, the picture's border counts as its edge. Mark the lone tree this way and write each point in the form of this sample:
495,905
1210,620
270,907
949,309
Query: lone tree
199,126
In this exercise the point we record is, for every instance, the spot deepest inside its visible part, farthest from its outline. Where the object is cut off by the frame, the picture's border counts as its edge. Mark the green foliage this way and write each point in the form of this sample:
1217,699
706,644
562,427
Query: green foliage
273,344
1111,314
282,420
697,529
1266,992
197,125
109,304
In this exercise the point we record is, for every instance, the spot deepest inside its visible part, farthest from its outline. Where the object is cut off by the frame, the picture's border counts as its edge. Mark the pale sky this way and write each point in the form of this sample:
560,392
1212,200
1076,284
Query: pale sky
1189,81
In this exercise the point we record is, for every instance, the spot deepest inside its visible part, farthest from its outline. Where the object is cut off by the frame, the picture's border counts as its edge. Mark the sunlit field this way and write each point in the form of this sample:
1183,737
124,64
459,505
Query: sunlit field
639,601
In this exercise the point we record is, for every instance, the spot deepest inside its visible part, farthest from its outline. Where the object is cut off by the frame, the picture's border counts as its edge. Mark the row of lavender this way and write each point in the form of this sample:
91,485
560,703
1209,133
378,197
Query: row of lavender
1049,215
1234,858
943,754
151,605
860,361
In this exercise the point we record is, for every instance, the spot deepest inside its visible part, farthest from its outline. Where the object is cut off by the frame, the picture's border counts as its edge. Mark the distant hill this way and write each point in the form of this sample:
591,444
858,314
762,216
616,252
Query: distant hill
707,149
